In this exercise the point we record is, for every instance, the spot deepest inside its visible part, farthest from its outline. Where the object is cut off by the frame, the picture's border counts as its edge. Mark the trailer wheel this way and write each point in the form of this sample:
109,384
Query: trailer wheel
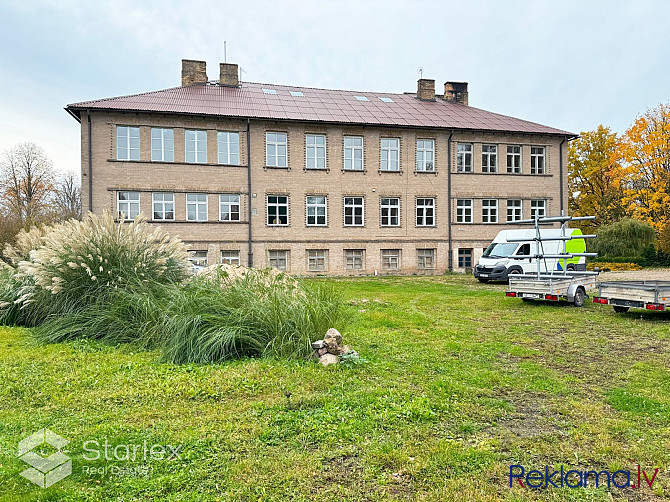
580,296
527,300
619,309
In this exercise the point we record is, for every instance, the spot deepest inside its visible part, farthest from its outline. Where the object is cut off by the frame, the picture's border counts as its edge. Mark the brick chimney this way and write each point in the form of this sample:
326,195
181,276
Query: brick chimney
193,72
456,92
426,89
229,74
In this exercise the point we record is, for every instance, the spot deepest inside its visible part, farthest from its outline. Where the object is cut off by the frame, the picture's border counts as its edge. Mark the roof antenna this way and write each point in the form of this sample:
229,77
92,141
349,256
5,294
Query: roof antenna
225,56
241,72
420,70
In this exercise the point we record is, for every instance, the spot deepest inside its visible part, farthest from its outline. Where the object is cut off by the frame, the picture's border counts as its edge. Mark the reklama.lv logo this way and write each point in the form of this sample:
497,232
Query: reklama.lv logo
578,479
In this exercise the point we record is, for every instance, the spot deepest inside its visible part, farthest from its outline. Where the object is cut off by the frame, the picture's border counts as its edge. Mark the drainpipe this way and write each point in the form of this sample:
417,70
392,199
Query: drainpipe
90,163
560,170
250,258
451,250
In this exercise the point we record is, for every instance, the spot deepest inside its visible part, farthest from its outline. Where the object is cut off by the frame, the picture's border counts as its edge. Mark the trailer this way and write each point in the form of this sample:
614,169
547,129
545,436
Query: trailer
551,287
624,295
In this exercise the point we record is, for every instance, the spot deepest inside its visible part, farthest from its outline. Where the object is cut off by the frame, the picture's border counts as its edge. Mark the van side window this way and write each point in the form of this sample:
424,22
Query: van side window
524,250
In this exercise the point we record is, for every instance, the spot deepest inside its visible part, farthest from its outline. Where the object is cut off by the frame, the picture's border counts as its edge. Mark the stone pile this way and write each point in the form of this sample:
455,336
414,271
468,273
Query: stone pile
330,348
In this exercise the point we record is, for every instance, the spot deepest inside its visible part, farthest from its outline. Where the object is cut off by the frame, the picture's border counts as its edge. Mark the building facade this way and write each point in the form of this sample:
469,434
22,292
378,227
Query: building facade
314,181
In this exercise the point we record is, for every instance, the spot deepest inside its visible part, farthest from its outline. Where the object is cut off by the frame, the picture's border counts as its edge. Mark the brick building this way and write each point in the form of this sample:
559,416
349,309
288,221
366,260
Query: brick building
319,181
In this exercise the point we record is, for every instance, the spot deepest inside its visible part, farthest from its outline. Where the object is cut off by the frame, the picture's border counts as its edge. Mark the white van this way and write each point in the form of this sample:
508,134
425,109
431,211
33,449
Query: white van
494,265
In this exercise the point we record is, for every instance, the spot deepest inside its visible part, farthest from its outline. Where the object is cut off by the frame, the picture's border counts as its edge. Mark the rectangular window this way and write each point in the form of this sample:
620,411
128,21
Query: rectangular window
278,259
127,143
315,151
316,260
316,211
230,257
537,160
390,211
228,147
390,259
390,154
354,211
489,211
463,210
425,155
538,208
276,148
465,258
425,212
277,210
513,159
196,207
162,145
196,146
489,158
353,259
229,207
128,204
198,258
163,206
353,153
513,209
425,258
464,158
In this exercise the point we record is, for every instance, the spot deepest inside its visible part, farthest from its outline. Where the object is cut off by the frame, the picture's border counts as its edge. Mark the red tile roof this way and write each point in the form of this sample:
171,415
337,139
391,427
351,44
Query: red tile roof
322,105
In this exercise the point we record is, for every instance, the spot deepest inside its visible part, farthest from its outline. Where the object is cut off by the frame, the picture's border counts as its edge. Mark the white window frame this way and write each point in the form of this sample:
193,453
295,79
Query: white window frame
198,142
538,205
423,255
314,259
464,157
232,257
350,202
202,260
489,158
516,158
386,203
514,211
231,154
277,255
425,155
316,207
226,203
537,159
464,253
389,158
276,149
489,210
158,200
164,138
193,199
425,212
315,151
125,150
351,148
276,205
387,256
354,259
129,207
464,210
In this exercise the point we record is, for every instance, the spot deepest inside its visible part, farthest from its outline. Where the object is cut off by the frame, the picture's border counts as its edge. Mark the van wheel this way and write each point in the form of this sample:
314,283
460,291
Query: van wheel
514,271
570,268
580,296
619,309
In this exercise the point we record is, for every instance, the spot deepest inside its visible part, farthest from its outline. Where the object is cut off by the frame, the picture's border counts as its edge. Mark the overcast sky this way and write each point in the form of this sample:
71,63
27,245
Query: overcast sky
571,65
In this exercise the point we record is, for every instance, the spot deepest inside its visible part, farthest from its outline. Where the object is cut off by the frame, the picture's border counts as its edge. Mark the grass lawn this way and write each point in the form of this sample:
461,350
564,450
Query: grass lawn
460,383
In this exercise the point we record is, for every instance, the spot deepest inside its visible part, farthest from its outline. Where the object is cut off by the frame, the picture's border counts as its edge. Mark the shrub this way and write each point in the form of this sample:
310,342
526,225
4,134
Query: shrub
616,266
627,237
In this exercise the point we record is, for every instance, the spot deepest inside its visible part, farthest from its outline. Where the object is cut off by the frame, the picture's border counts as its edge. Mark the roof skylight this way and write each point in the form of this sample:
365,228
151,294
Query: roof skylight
297,94
386,100
361,98
269,91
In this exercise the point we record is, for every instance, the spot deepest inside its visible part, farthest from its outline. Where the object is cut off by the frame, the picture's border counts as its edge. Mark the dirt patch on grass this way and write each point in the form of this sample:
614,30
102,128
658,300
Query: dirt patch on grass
532,417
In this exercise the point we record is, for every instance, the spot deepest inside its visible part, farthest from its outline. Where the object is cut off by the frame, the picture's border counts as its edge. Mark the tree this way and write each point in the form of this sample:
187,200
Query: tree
592,188
643,153
624,238
68,196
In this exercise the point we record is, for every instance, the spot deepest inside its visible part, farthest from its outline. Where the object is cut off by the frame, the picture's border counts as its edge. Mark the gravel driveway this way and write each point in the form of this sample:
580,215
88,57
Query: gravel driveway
647,274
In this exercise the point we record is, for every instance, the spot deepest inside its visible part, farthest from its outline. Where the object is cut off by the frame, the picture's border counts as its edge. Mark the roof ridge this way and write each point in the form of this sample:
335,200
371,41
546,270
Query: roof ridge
324,88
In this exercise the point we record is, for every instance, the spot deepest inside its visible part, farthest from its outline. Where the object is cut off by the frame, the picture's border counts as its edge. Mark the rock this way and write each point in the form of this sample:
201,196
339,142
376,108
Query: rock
319,344
328,359
332,333
333,347
346,349
322,351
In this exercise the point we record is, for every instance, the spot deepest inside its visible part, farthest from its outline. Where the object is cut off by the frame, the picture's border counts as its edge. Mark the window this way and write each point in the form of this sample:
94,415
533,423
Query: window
277,210
230,257
390,259
536,160
425,258
198,258
196,207
390,154
464,158
163,206
490,211
315,151
278,259
229,147
354,212
127,143
538,208
513,159
386,100
316,260
229,207
489,158
513,209
128,204
353,259
162,145
425,212
269,91
425,155
196,147
463,210
465,258
297,94
316,211
275,149
353,153
361,98
390,211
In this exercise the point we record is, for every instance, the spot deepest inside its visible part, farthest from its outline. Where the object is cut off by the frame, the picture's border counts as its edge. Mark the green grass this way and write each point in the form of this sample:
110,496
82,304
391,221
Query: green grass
459,383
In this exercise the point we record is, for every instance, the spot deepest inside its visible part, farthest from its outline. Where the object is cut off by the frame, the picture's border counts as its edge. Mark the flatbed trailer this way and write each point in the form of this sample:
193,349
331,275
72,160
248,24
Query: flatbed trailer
624,295
551,287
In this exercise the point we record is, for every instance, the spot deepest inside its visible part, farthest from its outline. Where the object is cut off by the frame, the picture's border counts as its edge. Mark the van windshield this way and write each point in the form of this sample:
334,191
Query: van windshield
500,250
